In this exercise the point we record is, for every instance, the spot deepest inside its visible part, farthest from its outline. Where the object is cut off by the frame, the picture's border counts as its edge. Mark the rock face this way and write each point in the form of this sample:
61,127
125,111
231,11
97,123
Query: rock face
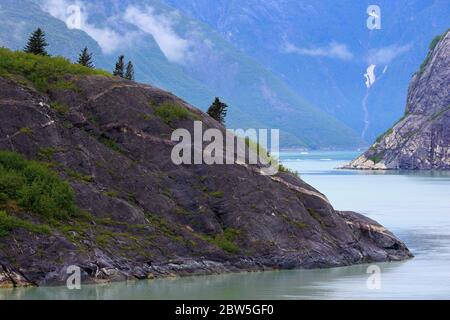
148,217
421,139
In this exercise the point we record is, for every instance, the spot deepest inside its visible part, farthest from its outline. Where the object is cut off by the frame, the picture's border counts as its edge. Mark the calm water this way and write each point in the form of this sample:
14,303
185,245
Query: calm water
416,206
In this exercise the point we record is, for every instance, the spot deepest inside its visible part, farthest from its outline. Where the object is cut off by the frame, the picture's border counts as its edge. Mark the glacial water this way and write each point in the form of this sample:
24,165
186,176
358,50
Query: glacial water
415,206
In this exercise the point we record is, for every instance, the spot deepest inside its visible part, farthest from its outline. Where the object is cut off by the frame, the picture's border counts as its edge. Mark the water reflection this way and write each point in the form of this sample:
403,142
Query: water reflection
293,284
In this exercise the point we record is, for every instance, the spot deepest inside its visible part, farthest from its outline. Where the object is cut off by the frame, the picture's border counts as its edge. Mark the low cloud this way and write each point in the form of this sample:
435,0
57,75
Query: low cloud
160,27
385,55
333,50
108,39
147,21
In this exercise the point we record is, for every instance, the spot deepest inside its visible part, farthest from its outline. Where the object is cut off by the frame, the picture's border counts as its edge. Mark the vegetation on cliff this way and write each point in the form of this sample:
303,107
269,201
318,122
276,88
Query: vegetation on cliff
41,71
34,186
433,45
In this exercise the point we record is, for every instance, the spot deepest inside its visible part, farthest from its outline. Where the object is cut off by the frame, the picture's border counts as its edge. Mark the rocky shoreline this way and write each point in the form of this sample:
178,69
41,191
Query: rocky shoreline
104,269
138,215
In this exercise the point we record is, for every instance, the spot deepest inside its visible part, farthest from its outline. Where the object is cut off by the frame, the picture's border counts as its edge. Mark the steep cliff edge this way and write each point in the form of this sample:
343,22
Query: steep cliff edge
138,215
421,139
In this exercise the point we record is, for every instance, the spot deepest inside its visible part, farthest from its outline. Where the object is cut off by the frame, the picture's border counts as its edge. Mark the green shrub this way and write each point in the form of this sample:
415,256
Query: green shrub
111,144
112,194
267,157
377,157
432,46
9,223
11,183
35,187
217,194
295,223
78,176
225,240
12,161
26,131
46,154
169,112
40,69
60,108
63,85
284,169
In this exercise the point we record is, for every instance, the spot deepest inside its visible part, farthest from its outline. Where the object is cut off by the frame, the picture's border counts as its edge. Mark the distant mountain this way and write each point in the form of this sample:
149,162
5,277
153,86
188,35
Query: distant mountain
421,139
182,55
322,49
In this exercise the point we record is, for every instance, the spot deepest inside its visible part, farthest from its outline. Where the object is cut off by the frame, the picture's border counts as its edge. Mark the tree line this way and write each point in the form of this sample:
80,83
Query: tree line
37,45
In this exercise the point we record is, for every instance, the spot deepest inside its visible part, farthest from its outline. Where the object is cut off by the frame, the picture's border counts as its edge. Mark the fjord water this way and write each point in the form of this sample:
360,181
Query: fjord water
414,205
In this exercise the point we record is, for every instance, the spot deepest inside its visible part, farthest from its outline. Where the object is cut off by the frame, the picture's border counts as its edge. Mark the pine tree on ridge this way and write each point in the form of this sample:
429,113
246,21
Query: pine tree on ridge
119,71
129,74
85,58
218,111
36,43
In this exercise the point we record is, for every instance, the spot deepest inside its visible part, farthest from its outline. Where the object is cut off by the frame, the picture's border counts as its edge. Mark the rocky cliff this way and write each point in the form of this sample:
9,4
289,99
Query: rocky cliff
421,139
137,214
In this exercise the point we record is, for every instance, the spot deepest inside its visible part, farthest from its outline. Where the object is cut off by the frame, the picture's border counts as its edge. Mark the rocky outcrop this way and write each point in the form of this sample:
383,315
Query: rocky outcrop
146,217
421,139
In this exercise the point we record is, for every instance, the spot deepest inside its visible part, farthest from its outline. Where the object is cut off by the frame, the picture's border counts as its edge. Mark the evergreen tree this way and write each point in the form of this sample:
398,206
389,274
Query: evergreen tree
36,43
129,74
218,111
120,66
85,58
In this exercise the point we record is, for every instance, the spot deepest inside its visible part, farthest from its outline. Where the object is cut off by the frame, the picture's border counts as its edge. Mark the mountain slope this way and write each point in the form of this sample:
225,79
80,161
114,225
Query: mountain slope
186,57
421,139
134,213
322,49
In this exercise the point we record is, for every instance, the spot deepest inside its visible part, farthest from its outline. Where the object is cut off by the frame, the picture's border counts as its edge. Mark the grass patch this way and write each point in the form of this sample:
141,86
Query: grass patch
170,112
77,176
217,194
225,240
34,187
60,108
391,130
26,131
63,85
267,157
388,132
111,144
46,154
39,70
163,226
432,46
103,239
313,213
9,223
295,223
112,194
376,158
284,169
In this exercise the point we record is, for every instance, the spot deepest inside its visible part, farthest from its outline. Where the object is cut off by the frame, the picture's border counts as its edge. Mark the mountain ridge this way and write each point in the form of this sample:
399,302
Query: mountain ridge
322,49
421,139
257,98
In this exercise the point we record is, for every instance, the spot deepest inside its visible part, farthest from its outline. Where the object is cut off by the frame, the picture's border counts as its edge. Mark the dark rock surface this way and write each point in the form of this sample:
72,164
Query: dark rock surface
151,218
421,139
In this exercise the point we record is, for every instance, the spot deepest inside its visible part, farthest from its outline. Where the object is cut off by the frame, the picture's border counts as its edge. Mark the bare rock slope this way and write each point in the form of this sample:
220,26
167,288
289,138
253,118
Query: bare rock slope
146,217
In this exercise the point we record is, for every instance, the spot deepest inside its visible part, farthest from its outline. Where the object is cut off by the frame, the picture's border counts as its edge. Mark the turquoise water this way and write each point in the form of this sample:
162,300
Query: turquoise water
416,206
